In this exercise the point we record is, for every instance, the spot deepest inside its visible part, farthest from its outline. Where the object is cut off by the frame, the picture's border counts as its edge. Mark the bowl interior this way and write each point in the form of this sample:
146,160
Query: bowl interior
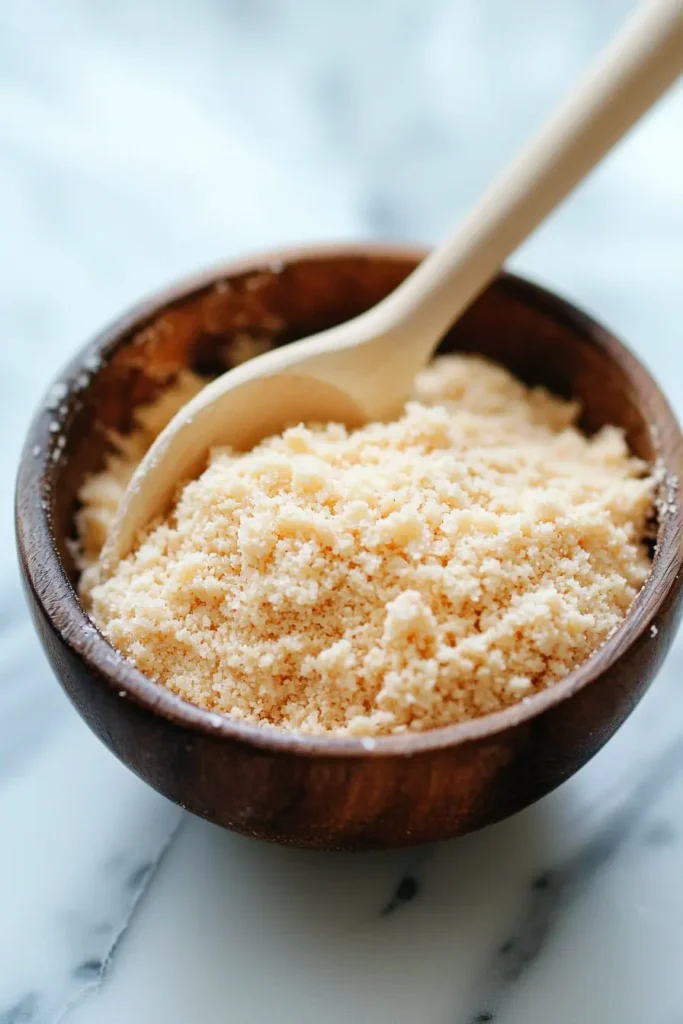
538,337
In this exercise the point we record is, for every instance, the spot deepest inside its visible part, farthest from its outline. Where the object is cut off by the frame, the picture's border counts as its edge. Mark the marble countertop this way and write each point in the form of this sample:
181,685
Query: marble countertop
140,140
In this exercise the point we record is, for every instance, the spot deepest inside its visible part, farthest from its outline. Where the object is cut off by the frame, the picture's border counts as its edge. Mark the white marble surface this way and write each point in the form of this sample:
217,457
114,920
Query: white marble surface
143,138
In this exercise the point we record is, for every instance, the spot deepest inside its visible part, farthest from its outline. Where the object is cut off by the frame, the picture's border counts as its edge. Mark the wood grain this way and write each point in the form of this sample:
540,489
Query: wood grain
316,792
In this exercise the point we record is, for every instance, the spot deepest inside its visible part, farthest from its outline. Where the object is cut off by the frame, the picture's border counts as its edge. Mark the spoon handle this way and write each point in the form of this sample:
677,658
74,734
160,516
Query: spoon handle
631,74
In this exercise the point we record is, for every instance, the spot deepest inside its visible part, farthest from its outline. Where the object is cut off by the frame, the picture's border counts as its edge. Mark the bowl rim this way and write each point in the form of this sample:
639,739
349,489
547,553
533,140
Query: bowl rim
62,610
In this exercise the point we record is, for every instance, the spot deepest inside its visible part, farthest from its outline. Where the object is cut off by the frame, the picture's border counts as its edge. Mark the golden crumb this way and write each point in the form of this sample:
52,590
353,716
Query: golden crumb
402,576
101,494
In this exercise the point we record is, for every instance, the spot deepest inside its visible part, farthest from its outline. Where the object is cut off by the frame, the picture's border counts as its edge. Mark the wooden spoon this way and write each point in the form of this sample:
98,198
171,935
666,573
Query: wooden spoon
364,369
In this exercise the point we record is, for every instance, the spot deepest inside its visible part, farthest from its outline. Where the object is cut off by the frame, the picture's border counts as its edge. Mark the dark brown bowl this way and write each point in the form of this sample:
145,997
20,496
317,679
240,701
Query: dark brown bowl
290,788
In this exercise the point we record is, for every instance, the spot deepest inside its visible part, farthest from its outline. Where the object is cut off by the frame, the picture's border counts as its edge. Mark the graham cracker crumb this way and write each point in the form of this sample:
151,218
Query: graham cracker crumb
399,577
101,494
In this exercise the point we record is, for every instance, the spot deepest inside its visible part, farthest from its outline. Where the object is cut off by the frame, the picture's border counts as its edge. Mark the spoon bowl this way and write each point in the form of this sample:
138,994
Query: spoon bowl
318,792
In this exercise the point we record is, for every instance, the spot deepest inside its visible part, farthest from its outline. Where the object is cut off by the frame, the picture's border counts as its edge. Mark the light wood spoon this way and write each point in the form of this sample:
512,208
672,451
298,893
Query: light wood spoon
363,369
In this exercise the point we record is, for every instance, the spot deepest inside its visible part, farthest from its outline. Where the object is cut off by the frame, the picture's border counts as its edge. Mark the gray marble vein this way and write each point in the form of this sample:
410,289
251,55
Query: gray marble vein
407,889
91,918
89,975
553,892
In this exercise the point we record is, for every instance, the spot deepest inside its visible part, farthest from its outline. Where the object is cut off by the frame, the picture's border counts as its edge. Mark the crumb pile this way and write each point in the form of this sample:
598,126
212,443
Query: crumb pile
402,576
101,494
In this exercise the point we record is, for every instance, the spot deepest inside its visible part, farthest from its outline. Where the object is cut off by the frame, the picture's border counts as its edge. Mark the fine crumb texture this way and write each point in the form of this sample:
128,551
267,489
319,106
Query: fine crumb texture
101,494
400,577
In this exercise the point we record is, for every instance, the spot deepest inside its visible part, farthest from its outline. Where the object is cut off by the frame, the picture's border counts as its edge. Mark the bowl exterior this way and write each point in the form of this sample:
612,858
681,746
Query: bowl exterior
365,802
351,796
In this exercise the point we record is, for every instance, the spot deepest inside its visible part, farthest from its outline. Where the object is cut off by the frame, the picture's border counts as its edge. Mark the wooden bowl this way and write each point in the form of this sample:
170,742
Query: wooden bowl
317,792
